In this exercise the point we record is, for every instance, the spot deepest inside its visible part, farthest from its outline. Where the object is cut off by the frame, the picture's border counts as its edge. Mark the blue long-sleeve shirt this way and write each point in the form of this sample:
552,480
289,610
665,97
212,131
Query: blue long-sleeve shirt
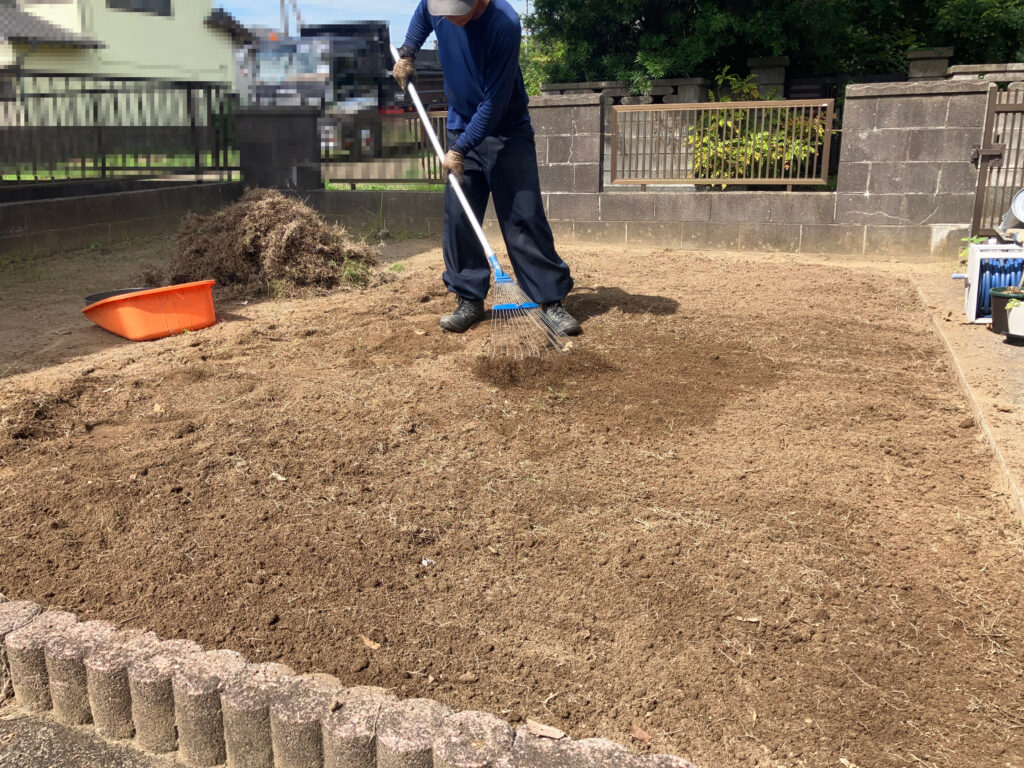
482,79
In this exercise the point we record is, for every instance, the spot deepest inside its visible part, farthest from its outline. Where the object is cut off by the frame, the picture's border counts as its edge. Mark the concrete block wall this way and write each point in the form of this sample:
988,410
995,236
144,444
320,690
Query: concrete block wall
569,135
366,212
44,227
704,220
905,172
208,708
906,183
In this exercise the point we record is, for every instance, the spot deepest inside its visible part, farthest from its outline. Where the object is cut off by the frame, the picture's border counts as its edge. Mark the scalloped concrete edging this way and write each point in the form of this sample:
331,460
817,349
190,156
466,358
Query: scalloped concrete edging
211,708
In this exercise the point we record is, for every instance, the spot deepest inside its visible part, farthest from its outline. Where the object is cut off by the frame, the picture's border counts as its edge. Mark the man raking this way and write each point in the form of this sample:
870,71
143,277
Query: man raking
492,150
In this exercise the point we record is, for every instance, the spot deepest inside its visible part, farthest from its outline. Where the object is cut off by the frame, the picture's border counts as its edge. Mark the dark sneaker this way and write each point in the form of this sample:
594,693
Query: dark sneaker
561,320
467,313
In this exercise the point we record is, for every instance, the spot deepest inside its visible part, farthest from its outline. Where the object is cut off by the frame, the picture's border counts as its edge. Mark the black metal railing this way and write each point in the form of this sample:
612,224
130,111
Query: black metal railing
73,127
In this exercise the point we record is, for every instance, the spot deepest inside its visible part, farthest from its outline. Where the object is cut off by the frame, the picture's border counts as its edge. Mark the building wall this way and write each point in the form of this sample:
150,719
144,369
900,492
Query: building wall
176,47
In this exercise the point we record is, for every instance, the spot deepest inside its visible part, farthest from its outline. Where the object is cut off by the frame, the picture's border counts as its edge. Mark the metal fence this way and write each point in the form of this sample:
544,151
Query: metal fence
782,143
71,127
380,148
1000,160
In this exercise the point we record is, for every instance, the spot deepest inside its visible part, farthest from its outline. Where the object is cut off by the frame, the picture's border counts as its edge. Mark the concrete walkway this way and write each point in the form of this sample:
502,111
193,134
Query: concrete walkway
37,742
991,370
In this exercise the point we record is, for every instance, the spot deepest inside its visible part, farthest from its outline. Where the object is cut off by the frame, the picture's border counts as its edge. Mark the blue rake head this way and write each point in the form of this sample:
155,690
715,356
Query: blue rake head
513,307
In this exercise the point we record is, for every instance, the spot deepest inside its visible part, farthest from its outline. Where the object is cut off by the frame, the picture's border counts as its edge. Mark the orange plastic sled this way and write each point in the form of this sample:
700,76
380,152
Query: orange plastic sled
155,313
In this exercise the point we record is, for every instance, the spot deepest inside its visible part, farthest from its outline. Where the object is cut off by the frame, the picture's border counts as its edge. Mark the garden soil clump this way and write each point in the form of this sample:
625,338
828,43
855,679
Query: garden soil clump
267,242
760,533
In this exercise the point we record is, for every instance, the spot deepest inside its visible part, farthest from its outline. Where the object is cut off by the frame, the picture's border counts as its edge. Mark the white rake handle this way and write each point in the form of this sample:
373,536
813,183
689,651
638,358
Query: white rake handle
411,90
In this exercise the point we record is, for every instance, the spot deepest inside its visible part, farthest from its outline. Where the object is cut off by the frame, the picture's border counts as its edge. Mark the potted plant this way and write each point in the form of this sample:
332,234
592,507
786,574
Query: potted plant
1015,318
1001,297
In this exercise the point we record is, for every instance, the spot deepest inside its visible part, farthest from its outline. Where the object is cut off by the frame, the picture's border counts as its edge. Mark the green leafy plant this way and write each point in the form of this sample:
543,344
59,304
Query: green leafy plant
743,143
535,59
356,273
968,242
398,267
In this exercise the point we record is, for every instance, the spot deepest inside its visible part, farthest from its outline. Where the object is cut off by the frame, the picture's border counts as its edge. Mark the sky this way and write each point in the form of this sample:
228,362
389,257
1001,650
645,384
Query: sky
267,13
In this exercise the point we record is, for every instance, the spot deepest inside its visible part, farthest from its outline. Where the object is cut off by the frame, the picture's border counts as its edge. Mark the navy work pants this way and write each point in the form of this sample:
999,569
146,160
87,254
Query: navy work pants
505,167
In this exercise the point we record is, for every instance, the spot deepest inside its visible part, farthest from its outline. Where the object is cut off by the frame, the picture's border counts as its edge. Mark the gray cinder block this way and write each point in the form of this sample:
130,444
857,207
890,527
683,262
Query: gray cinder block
471,740
245,707
27,658
296,714
349,730
197,686
106,673
13,615
65,654
405,733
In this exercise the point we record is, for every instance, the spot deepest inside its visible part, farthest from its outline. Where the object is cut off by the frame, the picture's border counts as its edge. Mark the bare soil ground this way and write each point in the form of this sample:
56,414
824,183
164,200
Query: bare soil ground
752,517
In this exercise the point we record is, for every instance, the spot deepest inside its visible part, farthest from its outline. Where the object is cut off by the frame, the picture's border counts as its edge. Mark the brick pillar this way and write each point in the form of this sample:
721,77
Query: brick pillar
905,170
928,63
568,130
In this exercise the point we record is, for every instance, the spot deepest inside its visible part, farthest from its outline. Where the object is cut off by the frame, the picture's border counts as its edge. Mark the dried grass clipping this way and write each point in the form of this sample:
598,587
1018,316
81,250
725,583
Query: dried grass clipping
268,243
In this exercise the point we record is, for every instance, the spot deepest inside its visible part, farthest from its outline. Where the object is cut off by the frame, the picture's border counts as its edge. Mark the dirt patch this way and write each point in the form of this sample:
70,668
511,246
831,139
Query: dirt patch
267,242
758,530
541,372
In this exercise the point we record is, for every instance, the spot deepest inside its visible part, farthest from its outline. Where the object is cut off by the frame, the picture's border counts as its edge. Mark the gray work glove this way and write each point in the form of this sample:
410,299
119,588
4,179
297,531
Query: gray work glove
404,71
454,163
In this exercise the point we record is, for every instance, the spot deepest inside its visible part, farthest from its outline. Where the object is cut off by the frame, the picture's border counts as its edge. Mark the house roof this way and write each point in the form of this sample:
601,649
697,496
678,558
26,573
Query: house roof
17,26
224,21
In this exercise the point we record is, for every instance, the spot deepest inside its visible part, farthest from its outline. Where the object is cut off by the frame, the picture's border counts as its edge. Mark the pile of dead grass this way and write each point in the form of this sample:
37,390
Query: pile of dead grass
267,243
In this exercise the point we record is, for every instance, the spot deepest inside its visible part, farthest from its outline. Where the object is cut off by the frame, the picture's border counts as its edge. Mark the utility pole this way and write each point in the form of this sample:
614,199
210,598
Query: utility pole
284,19
526,31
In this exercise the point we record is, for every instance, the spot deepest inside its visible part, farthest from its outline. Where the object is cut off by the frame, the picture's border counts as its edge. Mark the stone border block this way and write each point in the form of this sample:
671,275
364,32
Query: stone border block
663,761
296,715
214,708
471,740
531,751
350,730
245,709
106,672
196,688
65,654
13,615
27,658
405,733
152,692
601,753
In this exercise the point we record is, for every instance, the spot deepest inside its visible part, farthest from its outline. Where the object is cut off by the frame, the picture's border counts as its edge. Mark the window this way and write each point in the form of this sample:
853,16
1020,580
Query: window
157,7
